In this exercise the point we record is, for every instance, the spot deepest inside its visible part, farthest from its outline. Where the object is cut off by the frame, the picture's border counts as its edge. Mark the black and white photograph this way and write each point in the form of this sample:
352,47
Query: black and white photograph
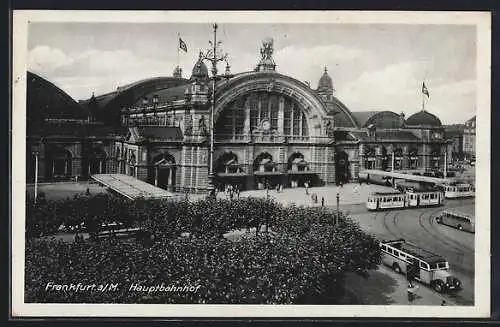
302,164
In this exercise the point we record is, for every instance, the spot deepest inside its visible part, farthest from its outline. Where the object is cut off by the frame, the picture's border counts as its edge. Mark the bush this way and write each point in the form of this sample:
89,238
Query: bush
300,258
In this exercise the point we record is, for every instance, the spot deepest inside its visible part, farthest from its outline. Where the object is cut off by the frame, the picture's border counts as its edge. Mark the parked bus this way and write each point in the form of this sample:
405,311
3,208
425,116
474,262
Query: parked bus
428,268
457,220
401,200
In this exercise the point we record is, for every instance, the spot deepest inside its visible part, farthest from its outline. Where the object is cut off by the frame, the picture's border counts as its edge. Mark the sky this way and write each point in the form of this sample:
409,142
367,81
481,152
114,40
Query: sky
373,66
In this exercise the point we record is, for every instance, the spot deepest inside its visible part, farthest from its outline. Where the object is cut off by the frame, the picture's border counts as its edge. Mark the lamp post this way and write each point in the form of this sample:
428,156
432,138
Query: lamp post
338,212
36,152
213,55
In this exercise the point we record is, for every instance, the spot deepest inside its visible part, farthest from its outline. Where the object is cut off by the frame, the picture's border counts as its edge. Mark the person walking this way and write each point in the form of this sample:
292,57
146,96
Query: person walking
411,294
322,201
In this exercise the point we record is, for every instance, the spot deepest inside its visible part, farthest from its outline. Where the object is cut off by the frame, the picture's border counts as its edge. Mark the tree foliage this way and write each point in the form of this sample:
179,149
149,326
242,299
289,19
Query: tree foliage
300,256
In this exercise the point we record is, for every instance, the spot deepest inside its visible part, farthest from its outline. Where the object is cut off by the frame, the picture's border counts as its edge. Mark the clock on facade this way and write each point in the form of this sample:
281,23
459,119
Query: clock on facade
266,125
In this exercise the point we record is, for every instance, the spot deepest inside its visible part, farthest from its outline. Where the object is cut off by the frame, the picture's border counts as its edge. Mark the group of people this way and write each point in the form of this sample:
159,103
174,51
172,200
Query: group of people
231,191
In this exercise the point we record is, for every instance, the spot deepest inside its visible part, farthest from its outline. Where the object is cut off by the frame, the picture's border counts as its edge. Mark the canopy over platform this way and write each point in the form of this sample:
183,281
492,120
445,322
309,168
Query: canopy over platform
409,177
131,187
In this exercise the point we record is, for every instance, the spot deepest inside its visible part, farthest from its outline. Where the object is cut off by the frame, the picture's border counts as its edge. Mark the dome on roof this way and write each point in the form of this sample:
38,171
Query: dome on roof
423,118
200,70
325,83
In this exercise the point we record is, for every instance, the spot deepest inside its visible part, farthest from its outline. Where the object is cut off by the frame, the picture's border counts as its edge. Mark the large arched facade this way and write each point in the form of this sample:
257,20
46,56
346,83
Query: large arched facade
267,118
270,130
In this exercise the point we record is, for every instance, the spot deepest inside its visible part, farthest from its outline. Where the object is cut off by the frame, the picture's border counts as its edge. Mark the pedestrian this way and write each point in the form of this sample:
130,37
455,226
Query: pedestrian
306,185
341,184
411,294
87,192
322,201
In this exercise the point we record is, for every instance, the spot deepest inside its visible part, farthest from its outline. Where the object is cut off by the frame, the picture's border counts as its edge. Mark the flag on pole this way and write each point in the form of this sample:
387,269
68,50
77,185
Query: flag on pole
424,89
182,45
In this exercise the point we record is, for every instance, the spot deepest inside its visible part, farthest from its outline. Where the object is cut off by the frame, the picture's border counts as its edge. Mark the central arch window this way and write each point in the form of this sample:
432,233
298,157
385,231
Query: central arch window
262,110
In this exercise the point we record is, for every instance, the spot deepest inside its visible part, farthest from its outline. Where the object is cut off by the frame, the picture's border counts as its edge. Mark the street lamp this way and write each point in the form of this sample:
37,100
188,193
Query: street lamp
338,217
36,152
213,55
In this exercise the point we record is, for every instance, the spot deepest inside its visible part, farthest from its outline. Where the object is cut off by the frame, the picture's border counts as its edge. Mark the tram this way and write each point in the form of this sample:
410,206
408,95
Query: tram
401,200
457,191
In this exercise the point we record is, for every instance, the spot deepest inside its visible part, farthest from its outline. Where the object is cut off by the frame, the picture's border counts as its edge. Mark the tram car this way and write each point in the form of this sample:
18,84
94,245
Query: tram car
458,191
407,199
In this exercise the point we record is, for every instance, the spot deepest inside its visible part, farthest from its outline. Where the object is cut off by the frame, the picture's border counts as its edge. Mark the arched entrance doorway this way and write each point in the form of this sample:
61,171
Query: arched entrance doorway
59,164
94,161
266,171
384,159
398,159
435,158
370,158
162,171
229,172
413,158
341,167
131,165
299,171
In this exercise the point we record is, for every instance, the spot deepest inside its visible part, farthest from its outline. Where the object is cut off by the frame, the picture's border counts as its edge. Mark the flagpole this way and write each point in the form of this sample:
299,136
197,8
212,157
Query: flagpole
178,47
423,100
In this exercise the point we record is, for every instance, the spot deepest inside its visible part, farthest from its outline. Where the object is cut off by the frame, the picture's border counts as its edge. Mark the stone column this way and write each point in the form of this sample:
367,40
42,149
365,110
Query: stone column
425,157
281,115
246,125
361,156
405,164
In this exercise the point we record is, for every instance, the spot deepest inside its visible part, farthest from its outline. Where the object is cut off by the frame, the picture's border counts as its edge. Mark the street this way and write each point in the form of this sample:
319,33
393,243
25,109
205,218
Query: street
419,227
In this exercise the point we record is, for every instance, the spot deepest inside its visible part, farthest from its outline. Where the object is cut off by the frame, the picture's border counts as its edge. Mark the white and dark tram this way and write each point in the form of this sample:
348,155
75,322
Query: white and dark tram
407,199
456,191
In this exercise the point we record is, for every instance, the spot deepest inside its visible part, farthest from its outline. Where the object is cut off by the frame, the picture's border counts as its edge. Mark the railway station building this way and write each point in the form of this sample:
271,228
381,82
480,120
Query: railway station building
270,128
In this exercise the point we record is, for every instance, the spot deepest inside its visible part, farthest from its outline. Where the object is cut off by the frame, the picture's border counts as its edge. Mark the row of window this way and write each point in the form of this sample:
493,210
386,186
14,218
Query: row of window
460,189
422,264
263,106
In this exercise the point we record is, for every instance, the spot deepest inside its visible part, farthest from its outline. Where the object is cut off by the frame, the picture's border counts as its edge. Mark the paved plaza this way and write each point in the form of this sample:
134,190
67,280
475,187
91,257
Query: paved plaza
352,193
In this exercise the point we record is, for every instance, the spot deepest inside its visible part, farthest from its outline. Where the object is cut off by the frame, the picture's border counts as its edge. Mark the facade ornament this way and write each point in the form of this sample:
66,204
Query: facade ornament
267,49
266,53
329,128
202,127
270,86
188,129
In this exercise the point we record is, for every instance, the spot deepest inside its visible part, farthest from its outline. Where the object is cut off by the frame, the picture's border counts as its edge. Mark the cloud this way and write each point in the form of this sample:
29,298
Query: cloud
99,71
397,87
45,59
307,63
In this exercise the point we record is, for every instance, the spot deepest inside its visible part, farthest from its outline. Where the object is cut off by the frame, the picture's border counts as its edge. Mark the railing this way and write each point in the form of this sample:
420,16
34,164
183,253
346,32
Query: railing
271,138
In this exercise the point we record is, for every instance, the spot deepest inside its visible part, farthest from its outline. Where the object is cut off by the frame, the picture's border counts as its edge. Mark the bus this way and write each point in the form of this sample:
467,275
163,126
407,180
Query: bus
408,199
428,268
457,220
